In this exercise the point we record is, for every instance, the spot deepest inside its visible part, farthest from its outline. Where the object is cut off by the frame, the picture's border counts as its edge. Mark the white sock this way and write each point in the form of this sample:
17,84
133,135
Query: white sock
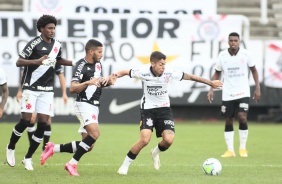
73,161
243,135
156,150
57,148
127,161
229,139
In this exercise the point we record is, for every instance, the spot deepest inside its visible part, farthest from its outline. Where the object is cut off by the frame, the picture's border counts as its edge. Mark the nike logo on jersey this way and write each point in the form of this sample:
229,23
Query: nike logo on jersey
43,48
114,108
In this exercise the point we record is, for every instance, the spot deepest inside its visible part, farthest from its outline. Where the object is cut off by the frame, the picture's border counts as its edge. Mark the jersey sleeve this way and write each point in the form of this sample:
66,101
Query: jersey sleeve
251,63
135,73
3,77
59,69
27,50
177,75
218,66
77,72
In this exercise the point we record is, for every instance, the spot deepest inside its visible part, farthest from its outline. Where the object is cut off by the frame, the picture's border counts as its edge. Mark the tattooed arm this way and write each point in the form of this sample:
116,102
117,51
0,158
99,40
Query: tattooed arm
213,83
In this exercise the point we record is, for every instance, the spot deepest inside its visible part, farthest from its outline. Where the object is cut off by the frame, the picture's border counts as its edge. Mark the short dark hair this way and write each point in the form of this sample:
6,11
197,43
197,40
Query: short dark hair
44,20
234,34
92,44
156,56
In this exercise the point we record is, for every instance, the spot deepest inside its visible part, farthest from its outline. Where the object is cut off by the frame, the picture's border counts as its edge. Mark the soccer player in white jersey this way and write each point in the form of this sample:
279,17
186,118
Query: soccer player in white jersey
87,82
5,90
38,58
235,64
155,106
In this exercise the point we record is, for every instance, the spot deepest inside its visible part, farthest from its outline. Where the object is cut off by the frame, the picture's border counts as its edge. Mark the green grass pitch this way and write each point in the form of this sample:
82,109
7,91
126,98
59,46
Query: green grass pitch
194,143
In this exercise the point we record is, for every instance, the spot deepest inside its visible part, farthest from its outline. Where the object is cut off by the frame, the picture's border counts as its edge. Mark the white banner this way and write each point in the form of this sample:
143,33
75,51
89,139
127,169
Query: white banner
273,64
61,7
190,42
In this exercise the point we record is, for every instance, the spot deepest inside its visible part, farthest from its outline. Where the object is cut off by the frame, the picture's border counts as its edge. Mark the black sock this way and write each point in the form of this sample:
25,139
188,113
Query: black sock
243,126
36,139
83,147
30,131
228,128
46,137
161,148
69,147
131,155
17,133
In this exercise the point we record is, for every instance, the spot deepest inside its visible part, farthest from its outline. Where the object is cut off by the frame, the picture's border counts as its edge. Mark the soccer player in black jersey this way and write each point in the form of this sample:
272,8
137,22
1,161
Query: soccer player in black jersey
30,128
87,83
38,58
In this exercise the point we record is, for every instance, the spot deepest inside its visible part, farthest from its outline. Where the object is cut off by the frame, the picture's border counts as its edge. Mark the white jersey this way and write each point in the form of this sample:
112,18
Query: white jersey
3,78
235,71
155,89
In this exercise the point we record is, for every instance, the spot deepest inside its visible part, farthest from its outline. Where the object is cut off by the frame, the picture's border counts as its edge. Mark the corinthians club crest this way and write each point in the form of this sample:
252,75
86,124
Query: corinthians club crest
208,30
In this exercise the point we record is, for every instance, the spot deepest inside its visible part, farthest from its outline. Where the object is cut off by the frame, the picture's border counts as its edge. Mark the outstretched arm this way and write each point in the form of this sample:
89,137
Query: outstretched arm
65,62
214,83
121,73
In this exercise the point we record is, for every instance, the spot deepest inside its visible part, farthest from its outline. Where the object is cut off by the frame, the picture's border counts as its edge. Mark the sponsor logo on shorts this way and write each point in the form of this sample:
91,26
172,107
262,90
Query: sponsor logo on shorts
244,106
169,122
223,109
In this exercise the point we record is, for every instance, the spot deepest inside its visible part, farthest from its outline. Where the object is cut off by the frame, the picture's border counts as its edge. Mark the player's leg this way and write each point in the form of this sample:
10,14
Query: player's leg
31,127
83,147
27,108
71,147
243,126
146,128
227,110
87,114
43,109
165,129
144,139
47,133
36,140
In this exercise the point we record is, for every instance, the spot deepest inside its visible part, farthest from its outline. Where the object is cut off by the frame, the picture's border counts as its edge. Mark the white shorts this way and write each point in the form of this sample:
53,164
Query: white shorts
86,114
38,102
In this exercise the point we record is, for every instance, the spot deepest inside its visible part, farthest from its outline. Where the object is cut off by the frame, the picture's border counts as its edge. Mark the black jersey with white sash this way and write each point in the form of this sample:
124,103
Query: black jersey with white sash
84,71
40,77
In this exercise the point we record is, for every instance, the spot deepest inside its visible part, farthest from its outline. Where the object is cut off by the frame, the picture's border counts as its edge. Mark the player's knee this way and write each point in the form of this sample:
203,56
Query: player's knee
144,141
242,119
169,140
94,134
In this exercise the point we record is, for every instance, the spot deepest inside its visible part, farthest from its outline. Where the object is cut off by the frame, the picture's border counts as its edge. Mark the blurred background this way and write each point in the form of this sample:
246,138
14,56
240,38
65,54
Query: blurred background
191,34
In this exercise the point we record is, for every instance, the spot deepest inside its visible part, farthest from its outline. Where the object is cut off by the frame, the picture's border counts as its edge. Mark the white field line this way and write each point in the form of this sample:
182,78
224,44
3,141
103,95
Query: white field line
174,165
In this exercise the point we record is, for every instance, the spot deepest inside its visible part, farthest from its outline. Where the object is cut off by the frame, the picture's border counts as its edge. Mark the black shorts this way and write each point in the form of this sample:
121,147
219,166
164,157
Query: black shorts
229,108
160,118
